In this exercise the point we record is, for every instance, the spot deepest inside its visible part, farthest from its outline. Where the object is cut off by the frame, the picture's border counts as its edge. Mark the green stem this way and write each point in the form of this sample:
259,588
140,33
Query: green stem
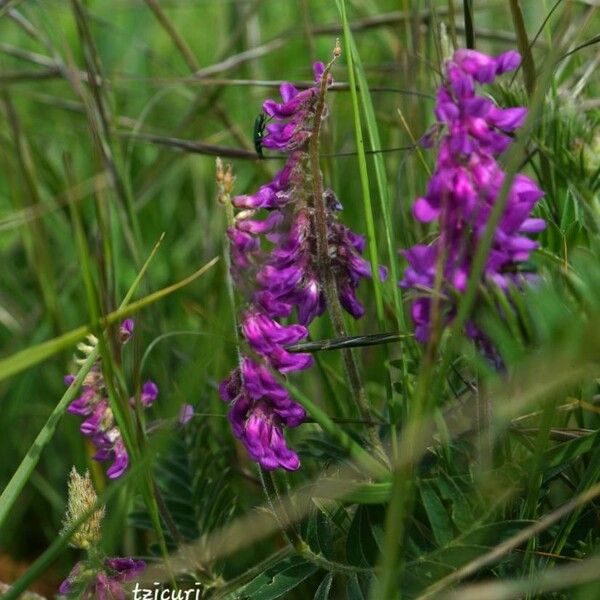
524,46
469,28
324,262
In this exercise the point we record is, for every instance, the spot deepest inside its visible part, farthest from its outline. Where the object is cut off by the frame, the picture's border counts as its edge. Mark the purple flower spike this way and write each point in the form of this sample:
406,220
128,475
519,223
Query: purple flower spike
286,282
99,424
260,407
464,188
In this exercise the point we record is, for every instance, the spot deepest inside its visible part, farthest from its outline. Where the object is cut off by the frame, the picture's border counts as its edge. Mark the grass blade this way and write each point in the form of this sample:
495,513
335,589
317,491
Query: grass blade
27,358
362,165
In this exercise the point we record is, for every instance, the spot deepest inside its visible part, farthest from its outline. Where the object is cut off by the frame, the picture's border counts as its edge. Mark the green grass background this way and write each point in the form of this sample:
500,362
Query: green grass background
127,198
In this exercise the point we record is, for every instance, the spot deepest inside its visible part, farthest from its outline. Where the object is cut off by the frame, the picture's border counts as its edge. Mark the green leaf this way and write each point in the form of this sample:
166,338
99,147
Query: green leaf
363,170
319,534
324,588
494,533
561,455
461,511
440,522
362,544
366,493
276,581
353,589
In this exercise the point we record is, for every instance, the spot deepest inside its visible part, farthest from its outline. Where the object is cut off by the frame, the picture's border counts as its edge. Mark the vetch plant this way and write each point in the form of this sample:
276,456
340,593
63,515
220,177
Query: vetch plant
313,263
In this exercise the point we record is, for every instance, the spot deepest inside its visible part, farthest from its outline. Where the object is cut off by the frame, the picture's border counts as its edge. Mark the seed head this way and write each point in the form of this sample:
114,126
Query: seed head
82,497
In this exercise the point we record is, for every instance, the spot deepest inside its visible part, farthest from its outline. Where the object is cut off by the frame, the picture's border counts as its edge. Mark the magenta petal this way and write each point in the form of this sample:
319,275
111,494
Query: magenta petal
424,211
508,61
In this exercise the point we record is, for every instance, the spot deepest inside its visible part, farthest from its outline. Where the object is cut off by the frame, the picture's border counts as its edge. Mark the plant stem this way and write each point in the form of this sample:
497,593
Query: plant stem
469,29
325,271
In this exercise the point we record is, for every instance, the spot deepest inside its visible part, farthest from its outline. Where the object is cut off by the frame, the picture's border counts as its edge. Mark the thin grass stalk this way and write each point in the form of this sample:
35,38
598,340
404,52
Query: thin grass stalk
35,235
195,68
568,578
403,493
530,76
469,26
21,475
536,476
590,475
452,22
384,203
524,47
117,399
171,30
362,165
107,260
100,121
511,543
356,452
280,513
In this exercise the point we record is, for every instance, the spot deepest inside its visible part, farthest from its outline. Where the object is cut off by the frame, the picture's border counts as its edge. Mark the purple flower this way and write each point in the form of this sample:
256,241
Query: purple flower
186,413
99,423
126,330
464,188
260,407
124,569
120,460
105,584
149,393
67,585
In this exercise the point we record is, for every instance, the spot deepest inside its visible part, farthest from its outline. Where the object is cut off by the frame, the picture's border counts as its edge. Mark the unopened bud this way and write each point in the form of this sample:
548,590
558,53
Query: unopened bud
126,330
338,48
219,170
228,179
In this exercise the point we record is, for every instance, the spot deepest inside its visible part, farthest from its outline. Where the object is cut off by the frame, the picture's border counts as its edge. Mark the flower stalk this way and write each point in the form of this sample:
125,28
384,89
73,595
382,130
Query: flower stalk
327,276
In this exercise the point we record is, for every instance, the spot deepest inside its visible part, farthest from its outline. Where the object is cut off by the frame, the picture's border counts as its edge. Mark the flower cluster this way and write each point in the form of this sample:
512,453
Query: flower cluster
99,423
105,583
464,188
284,280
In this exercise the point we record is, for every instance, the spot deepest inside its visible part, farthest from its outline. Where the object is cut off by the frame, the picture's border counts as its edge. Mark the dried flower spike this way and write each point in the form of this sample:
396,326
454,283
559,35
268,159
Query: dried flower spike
82,498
